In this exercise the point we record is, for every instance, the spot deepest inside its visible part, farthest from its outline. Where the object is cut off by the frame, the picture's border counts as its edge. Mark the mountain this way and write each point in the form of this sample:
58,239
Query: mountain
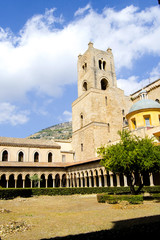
58,131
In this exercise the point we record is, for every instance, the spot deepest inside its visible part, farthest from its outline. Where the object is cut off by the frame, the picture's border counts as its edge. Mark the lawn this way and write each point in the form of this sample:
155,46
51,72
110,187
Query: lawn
41,217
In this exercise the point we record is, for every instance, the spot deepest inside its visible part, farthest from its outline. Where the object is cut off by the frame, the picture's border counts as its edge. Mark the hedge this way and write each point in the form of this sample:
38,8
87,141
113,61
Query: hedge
9,193
111,199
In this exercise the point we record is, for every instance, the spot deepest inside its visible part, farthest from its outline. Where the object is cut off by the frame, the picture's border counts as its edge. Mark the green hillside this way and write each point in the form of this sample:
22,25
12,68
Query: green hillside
58,131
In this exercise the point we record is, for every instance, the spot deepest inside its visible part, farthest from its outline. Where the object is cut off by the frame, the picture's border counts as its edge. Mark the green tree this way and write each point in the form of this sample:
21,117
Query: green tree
35,179
132,155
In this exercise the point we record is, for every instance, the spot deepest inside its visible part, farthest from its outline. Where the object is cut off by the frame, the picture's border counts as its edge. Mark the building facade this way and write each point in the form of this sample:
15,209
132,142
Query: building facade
100,110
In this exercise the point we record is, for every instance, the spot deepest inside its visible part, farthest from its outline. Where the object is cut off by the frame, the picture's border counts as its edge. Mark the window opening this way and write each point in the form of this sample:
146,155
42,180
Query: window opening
104,65
36,157
106,102
5,156
108,127
157,100
85,86
81,147
84,66
147,121
100,64
81,120
134,124
20,156
104,84
50,157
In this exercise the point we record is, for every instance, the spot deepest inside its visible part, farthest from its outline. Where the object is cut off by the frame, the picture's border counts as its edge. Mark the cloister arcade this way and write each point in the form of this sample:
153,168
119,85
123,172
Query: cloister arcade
88,178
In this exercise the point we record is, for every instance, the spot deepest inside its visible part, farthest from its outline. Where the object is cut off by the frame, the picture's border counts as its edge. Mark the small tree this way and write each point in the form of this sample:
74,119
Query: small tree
131,155
35,179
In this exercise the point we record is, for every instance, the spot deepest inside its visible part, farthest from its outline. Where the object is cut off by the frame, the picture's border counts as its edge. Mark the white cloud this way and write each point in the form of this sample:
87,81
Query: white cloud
133,83
43,58
81,11
155,73
11,114
67,115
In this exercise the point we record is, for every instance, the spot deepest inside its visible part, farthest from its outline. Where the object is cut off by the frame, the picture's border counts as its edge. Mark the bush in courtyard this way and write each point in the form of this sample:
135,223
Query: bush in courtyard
132,199
10,193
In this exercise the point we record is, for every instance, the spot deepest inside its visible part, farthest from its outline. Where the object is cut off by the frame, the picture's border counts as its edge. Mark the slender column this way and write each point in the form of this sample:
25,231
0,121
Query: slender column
60,181
73,182
67,182
141,178
23,182
78,182
118,180
7,183
90,181
111,180
125,181
85,181
38,183
95,183
105,180
53,182
151,180
15,185
100,181
46,183
81,181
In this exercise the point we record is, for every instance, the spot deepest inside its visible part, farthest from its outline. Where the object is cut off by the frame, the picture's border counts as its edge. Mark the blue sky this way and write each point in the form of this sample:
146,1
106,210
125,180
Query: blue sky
39,44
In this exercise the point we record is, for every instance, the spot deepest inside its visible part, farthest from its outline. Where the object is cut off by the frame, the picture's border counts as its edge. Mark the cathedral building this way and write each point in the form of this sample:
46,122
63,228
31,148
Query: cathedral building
100,110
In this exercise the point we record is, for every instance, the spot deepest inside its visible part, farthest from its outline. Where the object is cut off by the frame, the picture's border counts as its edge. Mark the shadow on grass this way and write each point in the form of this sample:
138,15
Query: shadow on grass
131,228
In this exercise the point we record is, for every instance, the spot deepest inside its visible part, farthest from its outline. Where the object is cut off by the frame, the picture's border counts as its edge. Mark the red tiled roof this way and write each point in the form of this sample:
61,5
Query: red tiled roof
46,164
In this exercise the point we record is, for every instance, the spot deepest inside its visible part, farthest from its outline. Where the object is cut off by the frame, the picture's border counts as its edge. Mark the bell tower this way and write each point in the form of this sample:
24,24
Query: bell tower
99,110
96,70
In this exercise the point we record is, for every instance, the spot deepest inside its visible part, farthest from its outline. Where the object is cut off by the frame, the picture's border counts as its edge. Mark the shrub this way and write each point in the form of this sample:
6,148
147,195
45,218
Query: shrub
9,193
153,189
132,199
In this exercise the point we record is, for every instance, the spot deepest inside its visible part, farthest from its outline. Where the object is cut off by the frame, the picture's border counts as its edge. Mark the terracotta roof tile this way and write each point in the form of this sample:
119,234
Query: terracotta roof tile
28,142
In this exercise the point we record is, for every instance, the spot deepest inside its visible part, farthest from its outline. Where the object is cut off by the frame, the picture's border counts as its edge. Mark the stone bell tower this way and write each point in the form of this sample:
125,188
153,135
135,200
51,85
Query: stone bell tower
99,111
95,70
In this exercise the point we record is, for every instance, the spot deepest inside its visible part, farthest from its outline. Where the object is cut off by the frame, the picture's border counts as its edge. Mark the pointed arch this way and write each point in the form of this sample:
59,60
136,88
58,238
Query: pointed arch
104,84
20,156
5,156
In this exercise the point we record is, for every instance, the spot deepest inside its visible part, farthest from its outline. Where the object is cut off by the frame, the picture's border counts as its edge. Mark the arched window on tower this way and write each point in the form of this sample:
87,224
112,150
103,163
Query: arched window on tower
104,65
81,118
100,64
108,127
5,156
85,87
104,84
84,66
106,100
157,100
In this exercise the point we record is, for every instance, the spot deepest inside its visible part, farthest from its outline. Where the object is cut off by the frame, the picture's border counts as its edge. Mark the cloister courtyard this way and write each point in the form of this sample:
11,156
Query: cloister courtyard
46,217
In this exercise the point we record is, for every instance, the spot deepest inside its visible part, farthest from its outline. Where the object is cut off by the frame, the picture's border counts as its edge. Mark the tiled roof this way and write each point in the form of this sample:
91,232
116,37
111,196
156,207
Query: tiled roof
46,164
25,142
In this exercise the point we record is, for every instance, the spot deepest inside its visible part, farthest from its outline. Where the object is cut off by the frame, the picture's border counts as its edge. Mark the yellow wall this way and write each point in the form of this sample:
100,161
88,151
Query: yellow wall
139,117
